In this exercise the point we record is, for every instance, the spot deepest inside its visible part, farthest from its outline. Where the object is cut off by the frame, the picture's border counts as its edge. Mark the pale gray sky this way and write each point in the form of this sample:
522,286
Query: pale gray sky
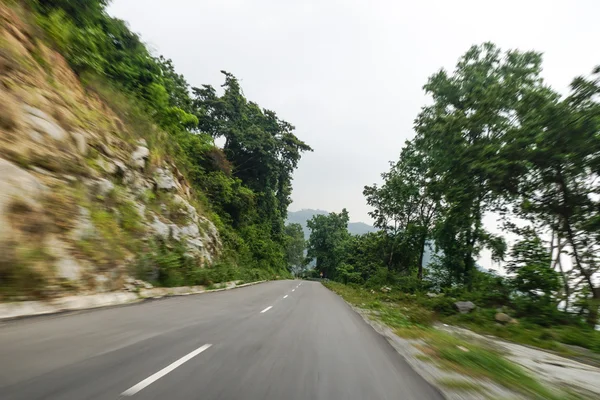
349,74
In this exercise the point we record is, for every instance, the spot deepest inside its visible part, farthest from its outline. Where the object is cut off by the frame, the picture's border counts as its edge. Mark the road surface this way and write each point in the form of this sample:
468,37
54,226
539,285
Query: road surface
288,340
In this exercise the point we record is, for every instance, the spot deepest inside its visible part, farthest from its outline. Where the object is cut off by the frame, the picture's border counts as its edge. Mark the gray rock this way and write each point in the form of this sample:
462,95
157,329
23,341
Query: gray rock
84,229
121,168
465,307
108,166
160,228
17,183
129,287
386,289
431,295
35,112
139,157
106,150
190,230
80,142
147,285
66,266
41,171
191,211
36,136
140,208
45,124
164,179
104,186
504,318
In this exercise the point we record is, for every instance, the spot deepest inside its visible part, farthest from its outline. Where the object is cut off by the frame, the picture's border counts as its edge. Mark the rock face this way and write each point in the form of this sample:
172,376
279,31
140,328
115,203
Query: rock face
140,156
465,307
164,180
81,195
44,124
17,188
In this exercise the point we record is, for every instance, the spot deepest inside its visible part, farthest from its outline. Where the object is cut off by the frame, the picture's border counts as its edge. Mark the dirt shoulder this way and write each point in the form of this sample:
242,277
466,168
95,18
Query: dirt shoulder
465,365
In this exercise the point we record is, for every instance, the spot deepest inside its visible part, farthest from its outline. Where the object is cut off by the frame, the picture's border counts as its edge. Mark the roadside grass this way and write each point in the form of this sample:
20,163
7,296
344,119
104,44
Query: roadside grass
576,342
412,321
461,385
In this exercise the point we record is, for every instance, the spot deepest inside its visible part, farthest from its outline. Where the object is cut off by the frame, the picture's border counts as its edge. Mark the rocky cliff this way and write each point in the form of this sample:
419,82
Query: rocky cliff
87,198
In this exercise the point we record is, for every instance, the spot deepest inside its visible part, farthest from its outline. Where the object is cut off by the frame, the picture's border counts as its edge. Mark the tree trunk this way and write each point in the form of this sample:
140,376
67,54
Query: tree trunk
421,254
558,262
592,318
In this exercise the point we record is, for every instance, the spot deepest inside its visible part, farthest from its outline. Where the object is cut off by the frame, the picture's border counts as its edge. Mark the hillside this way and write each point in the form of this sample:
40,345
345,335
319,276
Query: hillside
301,216
108,168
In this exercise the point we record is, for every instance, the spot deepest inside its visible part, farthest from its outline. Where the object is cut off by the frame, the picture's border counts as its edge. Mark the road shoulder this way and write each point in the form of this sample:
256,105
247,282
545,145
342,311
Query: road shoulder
419,347
24,309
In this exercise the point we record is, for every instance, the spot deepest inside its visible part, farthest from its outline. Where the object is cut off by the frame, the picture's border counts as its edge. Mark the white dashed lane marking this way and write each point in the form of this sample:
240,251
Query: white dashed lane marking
153,378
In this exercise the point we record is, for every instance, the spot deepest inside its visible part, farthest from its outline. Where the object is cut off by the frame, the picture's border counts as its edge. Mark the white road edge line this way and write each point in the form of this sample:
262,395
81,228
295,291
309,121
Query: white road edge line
266,309
285,297
153,378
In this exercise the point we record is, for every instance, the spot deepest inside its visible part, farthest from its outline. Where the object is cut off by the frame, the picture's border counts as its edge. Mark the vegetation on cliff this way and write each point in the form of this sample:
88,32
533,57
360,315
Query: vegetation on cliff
148,153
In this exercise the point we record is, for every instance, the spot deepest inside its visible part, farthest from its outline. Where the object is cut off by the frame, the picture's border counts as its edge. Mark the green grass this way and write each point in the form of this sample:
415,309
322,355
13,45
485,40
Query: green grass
394,311
461,385
413,321
421,310
24,270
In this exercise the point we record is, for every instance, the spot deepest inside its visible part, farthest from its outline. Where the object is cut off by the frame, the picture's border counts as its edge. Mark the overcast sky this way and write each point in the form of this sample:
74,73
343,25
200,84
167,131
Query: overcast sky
349,74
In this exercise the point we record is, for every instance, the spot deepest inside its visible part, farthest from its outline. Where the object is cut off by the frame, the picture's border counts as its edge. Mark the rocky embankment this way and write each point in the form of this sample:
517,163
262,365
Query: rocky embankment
84,192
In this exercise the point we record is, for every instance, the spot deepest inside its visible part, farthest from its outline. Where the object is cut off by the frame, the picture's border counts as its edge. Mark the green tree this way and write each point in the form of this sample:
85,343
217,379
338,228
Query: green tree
294,247
327,242
559,146
533,278
406,207
462,132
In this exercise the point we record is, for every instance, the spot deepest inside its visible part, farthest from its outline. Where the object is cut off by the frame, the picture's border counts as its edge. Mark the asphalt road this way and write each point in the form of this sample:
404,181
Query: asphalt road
227,345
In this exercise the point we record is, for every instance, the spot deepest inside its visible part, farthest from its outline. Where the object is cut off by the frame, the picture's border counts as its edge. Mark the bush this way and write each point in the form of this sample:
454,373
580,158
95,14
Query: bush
442,305
581,337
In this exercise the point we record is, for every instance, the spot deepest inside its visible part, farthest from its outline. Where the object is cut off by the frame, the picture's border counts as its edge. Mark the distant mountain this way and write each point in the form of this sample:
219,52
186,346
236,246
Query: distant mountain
300,217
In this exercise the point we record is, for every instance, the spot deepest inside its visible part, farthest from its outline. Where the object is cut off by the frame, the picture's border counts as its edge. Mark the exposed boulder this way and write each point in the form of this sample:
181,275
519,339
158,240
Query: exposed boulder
140,156
67,267
160,228
83,228
80,140
108,166
386,289
133,285
44,124
16,184
465,307
505,318
103,186
121,169
191,211
164,180
105,149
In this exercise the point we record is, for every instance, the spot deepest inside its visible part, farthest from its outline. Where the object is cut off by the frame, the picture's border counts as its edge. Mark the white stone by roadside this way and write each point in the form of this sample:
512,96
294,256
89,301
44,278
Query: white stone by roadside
76,303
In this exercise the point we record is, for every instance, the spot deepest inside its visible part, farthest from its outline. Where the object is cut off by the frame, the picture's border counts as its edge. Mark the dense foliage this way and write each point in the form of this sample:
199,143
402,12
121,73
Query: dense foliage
246,184
294,248
497,139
